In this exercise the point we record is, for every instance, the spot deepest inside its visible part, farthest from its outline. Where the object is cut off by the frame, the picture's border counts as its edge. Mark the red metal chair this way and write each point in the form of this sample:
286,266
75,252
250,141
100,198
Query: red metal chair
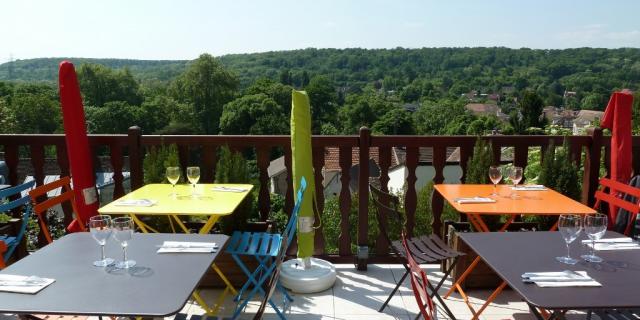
618,198
419,284
3,249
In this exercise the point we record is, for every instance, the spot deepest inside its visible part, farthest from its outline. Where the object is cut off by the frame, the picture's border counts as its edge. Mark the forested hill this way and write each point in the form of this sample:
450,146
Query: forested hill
457,69
46,69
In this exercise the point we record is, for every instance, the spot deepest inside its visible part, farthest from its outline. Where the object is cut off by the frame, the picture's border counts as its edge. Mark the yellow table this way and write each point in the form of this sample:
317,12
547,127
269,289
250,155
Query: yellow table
207,202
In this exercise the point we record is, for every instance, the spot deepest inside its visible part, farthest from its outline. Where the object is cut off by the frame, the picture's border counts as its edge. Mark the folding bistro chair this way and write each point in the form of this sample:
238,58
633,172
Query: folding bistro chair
424,249
265,247
270,287
620,196
11,243
40,207
419,284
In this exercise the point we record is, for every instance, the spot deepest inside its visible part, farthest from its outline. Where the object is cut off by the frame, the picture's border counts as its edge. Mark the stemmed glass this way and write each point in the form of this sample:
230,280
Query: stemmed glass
569,226
123,232
515,175
193,174
595,227
495,174
100,228
173,175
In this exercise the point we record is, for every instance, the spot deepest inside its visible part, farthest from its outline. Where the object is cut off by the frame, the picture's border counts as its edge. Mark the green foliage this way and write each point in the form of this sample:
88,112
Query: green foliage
207,86
479,163
4,218
559,172
35,113
232,168
396,121
323,99
253,114
157,160
530,107
101,84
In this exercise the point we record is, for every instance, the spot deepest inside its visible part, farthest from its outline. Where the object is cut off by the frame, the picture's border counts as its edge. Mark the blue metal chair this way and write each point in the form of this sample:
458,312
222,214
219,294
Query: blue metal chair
13,242
265,247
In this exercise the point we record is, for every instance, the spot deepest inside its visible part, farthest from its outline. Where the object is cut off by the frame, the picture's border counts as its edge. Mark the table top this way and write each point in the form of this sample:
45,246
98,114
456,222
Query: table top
208,201
510,254
539,202
158,286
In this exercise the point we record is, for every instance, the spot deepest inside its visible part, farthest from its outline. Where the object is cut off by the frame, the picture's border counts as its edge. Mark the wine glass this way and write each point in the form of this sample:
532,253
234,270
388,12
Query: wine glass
173,175
495,174
193,174
100,228
569,226
123,232
515,175
595,227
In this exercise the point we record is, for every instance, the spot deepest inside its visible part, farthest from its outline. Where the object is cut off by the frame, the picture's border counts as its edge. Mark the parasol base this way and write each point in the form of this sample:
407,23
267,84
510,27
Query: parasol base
321,276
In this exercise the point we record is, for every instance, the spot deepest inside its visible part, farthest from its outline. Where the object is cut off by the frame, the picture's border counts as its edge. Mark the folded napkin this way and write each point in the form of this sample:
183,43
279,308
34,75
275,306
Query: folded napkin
565,278
23,284
187,247
610,240
615,246
229,189
474,200
530,187
136,203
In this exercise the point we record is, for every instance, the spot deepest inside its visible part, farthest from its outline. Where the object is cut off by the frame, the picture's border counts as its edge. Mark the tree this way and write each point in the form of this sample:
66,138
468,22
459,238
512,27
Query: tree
253,114
479,163
100,84
208,87
279,92
323,99
35,113
362,110
113,117
433,118
531,106
396,121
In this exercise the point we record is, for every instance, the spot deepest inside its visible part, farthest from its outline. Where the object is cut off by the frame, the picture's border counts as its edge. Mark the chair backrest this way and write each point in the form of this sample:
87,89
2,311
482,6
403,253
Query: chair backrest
41,207
10,193
419,284
387,207
273,281
618,197
290,229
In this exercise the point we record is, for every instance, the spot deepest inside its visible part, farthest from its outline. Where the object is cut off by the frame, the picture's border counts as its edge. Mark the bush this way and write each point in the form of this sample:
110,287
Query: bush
157,160
478,165
232,168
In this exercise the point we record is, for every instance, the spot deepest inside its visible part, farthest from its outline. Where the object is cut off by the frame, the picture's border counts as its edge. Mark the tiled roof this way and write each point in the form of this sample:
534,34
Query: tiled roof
332,157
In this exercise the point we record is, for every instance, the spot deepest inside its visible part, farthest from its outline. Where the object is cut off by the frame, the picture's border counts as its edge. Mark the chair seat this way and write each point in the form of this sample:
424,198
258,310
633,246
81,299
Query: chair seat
427,249
254,244
9,241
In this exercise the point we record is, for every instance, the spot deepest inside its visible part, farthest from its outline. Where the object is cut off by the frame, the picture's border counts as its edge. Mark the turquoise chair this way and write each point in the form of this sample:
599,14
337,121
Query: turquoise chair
266,248
5,195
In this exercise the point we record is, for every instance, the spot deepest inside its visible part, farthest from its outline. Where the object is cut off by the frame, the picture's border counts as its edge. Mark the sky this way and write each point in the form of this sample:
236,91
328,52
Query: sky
173,30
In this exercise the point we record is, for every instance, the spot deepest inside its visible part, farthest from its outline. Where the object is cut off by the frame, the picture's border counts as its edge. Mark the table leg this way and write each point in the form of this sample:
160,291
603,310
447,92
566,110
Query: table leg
462,277
209,224
145,228
492,297
180,224
506,224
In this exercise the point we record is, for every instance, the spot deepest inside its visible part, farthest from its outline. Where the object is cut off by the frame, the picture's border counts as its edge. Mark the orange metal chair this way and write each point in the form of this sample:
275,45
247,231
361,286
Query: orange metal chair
617,198
419,284
41,207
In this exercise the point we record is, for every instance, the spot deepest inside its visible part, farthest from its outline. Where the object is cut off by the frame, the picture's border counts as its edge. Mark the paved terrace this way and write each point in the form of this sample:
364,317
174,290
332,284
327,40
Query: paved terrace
357,295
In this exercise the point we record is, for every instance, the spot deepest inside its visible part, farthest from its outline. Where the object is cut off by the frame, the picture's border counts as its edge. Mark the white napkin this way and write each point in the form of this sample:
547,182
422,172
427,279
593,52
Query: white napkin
23,284
610,240
560,279
530,187
615,246
474,200
188,247
229,189
136,203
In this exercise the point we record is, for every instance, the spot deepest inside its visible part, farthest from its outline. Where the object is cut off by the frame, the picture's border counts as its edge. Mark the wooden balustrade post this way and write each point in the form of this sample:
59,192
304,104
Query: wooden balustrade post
592,166
363,198
135,157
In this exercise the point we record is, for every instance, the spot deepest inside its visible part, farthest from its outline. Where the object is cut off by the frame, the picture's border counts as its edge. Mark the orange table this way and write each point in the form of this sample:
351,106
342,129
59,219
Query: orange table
538,202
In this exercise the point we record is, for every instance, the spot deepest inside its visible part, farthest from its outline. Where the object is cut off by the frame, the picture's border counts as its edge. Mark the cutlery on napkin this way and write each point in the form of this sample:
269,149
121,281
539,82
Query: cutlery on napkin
530,187
187,247
614,246
474,200
566,278
136,202
610,240
229,189
23,284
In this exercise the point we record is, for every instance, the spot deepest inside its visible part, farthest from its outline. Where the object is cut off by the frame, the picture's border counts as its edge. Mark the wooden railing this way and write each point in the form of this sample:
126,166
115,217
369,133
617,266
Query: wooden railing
128,151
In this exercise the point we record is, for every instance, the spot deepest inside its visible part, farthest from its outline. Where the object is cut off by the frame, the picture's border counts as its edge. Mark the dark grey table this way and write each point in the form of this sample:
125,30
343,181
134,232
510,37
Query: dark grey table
158,286
510,254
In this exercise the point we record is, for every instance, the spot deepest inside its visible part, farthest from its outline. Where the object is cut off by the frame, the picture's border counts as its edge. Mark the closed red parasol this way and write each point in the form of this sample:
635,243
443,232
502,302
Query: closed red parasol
78,152
617,118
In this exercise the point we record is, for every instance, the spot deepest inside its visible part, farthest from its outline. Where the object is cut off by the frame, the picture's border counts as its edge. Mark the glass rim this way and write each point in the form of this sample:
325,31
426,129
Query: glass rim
122,219
99,217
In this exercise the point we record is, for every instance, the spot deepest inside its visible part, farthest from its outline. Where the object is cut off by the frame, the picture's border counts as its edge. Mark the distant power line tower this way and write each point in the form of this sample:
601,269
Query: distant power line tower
10,67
